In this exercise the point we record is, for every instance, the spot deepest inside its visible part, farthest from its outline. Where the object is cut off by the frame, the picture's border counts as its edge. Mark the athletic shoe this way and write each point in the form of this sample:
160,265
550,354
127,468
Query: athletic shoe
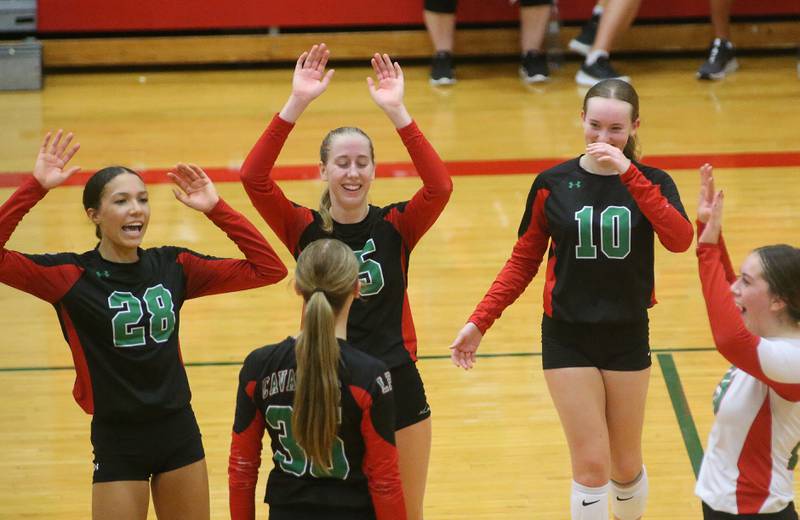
721,60
442,69
533,68
601,69
582,43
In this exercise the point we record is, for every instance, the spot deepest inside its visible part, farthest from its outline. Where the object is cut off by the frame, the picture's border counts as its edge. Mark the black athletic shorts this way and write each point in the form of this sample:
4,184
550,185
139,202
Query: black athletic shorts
411,404
607,346
137,451
449,6
309,512
788,513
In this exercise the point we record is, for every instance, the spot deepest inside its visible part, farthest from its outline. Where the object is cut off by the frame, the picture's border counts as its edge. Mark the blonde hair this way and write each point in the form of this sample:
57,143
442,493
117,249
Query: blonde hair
622,91
326,276
324,153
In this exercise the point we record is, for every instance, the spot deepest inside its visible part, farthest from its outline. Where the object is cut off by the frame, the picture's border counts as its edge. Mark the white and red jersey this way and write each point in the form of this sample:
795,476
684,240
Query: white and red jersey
752,448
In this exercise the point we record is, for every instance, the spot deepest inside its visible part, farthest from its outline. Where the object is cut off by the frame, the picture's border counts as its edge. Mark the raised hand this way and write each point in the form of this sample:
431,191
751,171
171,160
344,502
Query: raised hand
609,156
53,157
308,82
462,351
194,188
713,228
388,88
706,199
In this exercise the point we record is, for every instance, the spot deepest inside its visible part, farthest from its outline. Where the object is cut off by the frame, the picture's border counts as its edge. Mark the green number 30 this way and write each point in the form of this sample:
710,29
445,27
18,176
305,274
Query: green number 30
292,458
125,323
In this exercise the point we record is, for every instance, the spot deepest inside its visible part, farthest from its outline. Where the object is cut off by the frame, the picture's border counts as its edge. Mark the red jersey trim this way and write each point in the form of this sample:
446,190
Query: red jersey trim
379,465
243,465
82,389
755,463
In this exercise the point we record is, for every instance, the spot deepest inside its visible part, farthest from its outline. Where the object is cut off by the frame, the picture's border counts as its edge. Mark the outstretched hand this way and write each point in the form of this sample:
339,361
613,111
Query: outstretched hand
462,351
609,156
308,82
388,88
53,157
194,188
706,199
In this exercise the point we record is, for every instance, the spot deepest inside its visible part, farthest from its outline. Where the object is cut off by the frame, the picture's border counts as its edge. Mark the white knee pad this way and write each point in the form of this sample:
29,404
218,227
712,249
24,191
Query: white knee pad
628,500
589,503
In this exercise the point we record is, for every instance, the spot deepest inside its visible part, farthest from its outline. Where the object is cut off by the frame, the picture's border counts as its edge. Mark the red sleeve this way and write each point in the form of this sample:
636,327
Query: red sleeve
520,269
380,459
737,344
673,229
419,214
49,281
286,219
262,266
730,273
245,457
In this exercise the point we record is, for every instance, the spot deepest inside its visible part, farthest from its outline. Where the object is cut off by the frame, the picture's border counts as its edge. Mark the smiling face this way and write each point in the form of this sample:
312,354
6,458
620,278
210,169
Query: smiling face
348,170
122,214
608,121
758,306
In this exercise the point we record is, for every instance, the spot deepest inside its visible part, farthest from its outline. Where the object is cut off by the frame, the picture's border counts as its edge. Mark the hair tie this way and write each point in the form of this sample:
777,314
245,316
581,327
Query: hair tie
319,291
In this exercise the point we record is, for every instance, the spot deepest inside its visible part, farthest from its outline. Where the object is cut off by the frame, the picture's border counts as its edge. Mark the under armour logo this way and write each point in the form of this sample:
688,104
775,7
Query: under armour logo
97,466
576,184
102,274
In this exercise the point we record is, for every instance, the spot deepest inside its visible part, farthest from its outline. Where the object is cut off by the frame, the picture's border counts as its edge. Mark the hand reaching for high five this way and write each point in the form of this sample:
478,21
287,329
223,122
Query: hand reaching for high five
706,200
462,351
388,88
308,82
195,188
709,207
53,157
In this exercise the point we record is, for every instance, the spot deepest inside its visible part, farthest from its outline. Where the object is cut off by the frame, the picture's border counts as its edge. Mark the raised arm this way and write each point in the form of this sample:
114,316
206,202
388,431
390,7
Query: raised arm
769,361
660,203
246,443
286,219
43,276
206,275
414,218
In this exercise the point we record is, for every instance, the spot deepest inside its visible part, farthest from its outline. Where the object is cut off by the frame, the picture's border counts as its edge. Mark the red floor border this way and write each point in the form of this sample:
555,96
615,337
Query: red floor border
458,168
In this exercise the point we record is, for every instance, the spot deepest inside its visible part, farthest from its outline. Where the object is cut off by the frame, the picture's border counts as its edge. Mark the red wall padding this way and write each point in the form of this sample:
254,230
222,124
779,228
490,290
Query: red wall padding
58,16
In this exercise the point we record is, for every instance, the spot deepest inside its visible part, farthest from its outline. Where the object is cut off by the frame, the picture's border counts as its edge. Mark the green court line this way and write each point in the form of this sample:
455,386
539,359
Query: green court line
422,358
681,406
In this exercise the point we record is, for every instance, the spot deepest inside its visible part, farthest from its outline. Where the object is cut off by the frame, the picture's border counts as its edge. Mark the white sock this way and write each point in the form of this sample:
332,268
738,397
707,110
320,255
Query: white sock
589,503
594,55
629,500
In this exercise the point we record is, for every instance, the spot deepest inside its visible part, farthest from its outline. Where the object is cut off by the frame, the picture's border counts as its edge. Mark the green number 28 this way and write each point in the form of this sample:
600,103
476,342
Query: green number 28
125,323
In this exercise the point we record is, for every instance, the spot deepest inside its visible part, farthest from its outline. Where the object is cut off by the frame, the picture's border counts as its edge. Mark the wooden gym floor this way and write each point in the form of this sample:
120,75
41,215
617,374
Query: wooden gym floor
498,450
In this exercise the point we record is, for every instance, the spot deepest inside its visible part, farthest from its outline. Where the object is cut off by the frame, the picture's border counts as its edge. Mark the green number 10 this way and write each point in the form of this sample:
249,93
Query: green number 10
615,232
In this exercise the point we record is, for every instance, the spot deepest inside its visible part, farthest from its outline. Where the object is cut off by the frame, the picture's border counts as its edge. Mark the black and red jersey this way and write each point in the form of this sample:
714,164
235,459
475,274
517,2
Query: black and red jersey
598,234
121,320
380,321
364,459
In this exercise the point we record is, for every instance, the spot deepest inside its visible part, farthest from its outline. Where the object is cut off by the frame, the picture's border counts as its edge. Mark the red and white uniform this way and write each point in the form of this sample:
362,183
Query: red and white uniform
752,447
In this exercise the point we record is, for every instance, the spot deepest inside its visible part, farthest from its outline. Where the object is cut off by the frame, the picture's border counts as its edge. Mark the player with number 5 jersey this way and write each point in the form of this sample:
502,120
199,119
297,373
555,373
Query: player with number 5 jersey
119,310
596,217
382,238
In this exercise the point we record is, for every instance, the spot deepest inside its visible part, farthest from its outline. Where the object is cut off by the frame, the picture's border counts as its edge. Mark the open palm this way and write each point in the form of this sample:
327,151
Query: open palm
387,89
53,157
310,79
195,188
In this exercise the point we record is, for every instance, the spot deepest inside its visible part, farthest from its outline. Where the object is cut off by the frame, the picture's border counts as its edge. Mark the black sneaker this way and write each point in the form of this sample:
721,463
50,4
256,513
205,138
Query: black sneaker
533,68
442,69
582,43
598,71
721,60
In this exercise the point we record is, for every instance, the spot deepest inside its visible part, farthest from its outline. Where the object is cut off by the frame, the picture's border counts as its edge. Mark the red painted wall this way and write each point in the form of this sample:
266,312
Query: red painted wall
59,16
